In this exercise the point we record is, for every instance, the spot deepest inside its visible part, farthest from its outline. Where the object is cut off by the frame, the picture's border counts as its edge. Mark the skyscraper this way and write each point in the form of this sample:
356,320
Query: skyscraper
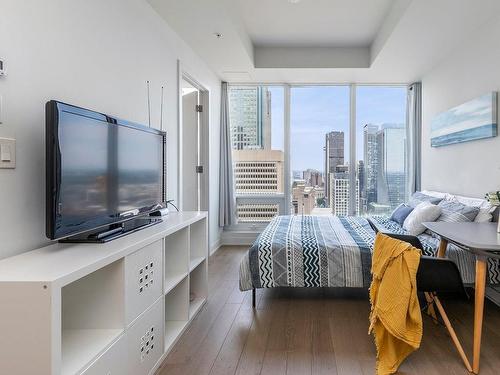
370,157
384,178
334,156
339,192
312,177
250,117
391,140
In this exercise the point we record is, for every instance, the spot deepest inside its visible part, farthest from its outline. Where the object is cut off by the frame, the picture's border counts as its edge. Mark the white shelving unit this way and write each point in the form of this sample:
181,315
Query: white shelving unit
114,308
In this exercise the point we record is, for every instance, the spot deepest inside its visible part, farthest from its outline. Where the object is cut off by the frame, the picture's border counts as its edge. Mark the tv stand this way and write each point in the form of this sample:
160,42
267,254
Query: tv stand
113,231
88,308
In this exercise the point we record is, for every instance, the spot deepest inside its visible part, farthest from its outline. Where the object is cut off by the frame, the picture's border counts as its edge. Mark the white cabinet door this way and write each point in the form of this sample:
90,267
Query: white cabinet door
144,277
110,362
145,340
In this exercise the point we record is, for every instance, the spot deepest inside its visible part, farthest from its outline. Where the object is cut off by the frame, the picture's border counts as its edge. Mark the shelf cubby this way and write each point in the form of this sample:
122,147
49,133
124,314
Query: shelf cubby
198,289
198,243
92,315
176,258
176,311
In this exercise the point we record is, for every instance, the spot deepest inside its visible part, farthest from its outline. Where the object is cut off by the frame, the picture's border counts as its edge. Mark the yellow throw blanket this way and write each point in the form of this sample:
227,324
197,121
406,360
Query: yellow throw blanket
395,316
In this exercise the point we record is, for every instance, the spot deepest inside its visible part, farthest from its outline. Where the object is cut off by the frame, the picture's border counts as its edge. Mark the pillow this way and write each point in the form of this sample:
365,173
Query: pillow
425,211
400,213
419,197
453,211
485,208
435,194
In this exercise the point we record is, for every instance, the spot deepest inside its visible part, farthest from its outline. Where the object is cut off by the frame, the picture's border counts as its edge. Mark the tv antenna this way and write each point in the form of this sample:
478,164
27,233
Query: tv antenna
149,105
161,109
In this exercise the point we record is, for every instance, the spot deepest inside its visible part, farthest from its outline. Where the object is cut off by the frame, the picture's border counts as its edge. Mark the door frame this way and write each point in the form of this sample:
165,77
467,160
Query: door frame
204,99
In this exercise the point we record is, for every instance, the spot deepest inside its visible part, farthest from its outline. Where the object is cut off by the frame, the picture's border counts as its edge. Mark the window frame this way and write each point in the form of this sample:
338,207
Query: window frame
285,198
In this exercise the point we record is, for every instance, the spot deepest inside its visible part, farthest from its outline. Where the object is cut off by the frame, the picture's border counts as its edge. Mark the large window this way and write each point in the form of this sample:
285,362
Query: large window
257,136
319,149
319,159
381,147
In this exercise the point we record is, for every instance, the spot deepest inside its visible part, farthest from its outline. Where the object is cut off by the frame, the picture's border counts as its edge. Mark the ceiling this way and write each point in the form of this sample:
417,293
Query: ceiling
317,23
324,41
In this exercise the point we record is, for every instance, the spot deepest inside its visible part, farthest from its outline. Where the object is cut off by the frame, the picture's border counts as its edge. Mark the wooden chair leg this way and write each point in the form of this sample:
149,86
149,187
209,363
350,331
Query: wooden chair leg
430,309
452,333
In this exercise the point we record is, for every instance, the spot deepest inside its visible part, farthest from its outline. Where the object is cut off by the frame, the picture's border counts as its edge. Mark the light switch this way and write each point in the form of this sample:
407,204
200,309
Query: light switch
7,153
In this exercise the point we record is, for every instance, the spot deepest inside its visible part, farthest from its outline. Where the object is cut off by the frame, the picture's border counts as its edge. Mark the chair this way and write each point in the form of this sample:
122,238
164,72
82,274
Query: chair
435,275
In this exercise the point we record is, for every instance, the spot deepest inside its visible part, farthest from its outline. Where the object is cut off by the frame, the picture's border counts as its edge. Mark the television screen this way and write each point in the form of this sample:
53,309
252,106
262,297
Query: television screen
100,170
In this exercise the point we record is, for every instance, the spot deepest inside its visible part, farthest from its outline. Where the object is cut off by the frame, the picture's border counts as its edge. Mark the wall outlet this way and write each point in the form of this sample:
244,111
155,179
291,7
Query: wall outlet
7,153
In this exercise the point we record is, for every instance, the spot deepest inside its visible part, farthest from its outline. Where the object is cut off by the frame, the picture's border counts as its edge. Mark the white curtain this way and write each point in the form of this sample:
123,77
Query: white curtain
227,203
414,137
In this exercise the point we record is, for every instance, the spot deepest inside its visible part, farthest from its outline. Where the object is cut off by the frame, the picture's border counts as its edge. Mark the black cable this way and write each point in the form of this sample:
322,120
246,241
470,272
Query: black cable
173,205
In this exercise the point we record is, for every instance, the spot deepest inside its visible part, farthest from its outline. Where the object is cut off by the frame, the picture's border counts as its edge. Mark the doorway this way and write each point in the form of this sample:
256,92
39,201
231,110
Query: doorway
193,132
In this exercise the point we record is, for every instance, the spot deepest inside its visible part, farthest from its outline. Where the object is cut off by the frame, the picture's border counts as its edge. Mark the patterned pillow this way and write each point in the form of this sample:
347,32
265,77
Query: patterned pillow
419,197
453,211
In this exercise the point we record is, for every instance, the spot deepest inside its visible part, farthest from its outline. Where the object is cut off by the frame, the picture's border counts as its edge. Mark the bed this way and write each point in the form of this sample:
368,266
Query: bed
330,251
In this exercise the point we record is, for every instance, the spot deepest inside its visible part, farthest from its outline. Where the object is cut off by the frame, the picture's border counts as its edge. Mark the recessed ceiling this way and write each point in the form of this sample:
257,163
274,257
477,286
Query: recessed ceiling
313,23
325,41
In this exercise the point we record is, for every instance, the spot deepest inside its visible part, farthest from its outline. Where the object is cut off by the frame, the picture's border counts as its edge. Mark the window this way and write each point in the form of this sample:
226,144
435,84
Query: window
381,147
319,149
323,161
257,135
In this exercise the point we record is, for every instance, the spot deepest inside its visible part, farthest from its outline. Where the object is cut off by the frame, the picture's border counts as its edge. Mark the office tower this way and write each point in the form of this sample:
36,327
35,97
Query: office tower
370,157
250,117
312,177
339,192
391,140
334,156
258,171
384,177
361,179
303,198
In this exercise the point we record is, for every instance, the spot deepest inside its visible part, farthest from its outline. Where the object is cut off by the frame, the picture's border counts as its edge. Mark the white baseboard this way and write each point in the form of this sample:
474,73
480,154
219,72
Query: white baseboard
215,246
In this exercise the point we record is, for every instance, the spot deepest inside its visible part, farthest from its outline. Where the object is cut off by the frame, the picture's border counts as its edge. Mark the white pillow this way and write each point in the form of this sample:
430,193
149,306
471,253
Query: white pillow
425,211
485,207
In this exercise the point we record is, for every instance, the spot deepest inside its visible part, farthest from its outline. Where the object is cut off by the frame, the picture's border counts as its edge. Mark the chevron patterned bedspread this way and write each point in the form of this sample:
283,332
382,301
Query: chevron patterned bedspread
329,251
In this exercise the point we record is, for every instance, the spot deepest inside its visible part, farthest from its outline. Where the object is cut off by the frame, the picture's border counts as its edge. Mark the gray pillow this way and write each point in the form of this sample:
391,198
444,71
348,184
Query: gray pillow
419,197
400,213
455,212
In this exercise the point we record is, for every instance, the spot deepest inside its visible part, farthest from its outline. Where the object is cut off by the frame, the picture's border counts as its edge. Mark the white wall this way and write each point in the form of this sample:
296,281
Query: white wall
96,54
471,168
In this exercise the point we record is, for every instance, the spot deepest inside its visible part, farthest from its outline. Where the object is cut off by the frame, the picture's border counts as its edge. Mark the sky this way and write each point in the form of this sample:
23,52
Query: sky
317,110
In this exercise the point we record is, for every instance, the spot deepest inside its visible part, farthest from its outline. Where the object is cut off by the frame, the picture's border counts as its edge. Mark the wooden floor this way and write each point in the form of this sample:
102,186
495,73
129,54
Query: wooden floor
309,331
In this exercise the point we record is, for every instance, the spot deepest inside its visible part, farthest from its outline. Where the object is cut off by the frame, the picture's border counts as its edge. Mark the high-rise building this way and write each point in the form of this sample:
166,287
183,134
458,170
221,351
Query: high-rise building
312,177
258,171
370,158
340,194
303,198
250,117
334,156
384,181
391,140
361,179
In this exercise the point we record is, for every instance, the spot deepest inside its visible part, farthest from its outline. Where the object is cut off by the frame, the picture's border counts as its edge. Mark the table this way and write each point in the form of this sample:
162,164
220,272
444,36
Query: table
483,240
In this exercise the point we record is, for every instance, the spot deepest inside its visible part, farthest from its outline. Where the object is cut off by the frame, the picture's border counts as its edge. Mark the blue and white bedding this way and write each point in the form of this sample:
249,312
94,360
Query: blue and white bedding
330,251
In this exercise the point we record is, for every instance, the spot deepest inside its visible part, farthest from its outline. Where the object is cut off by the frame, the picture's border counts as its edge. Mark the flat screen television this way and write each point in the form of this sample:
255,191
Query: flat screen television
100,170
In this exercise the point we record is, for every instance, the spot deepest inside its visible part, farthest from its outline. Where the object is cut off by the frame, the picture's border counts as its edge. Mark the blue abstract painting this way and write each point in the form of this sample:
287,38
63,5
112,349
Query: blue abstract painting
475,119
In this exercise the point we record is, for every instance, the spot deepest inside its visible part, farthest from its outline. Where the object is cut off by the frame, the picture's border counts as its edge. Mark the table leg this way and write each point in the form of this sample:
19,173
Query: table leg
443,244
478,310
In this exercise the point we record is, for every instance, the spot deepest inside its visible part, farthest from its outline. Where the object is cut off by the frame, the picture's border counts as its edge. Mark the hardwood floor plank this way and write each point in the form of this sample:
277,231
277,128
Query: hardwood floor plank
310,331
